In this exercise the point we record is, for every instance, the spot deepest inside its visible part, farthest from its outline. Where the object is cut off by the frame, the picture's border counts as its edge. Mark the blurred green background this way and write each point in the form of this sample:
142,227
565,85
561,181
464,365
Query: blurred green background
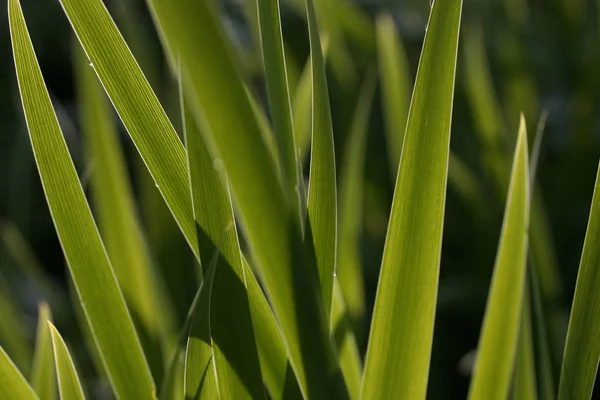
533,56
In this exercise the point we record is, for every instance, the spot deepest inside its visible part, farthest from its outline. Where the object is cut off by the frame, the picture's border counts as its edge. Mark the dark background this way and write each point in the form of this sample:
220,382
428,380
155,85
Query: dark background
536,55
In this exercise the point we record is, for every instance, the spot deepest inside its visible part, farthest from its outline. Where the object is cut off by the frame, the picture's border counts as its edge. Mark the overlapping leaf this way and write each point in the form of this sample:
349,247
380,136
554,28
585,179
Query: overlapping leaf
12,383
88,262
43,375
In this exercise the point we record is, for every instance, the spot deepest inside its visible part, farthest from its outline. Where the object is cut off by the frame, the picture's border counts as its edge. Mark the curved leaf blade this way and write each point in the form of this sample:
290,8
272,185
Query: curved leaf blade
582,348
235,357
267,217
12,383
322,186
278,92
120,229
68,381
401,346
88,262
137,105
499,338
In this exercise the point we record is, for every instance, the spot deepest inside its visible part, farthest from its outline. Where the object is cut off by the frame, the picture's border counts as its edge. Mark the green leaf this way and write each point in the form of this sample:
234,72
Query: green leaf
12,384
117,217
499,338
343,335
278,92
43,376
400,347
68,381
200,371
219,101
322,186
84,251
395,86
137,105
582,348
349,266
524,383
277,373
235,357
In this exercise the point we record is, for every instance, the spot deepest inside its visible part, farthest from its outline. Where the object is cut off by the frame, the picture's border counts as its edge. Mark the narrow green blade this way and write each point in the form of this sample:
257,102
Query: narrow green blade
278,92
499,335
322,186
349,265
117,218
43,376
395,86
524,383
200,372
235,357
85,254
582,348
343,335
12,384
277,373
269,220
68,381
137,105
400,347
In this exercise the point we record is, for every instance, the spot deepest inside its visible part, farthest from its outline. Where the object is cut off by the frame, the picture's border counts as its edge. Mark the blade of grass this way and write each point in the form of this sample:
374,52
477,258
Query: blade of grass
272,227
200,371
348,269
43,375
278,92
582,347
499,338
524,381
348,354
137,105
88,262
117,218
322,186
12,384
278,376
395,86
68,381
235,357
401,346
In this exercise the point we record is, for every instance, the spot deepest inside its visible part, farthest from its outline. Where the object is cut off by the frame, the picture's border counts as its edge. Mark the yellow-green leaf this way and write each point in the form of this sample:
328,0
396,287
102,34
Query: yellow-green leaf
322,186
582,348
400,347
498,341
84,251
218,99
12,383
68,381
117,217
235,357
524,382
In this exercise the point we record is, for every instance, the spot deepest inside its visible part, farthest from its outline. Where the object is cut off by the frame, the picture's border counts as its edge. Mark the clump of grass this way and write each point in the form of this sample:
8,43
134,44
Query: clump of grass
277,316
